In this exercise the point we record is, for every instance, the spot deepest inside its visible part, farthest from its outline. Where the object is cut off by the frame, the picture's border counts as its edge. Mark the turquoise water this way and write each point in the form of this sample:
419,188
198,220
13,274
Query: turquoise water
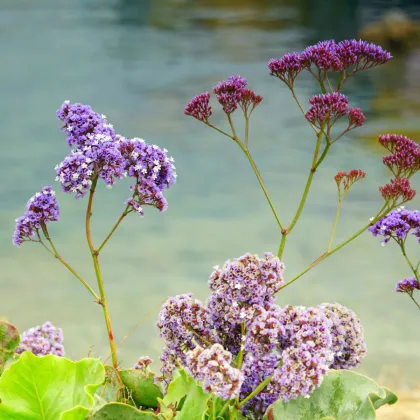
140,65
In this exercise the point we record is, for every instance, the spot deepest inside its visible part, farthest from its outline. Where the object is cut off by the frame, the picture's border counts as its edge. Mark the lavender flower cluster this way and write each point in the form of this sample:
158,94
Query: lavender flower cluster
99,153
295,345
41,209
42,340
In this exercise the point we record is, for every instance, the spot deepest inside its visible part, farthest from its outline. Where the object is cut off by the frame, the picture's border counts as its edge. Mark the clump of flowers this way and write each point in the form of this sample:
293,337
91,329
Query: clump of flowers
407,286
213,366
199,107
143,364
347,179
229,92
41,209
42,340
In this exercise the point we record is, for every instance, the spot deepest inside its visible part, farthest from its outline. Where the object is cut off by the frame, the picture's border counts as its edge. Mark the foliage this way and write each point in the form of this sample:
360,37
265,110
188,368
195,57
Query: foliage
9,341
49,388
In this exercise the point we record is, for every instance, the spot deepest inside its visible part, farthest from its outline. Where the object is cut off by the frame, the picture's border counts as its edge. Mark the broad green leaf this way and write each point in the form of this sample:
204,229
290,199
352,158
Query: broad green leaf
343,395
118,411
184,389
143,390
49,388
9,340
165,412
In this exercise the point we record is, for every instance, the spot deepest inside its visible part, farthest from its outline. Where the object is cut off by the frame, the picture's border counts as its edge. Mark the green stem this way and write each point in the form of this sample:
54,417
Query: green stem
258,389
337,215
191,329
121,218
409,262
414,300
214,408
312,171
242,350
224,408
246,131
282,244
95,259
332,251
301,107
219,130
233,413
68,266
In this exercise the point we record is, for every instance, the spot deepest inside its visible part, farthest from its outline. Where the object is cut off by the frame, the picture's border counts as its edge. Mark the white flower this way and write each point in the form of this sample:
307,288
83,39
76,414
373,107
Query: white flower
155,147
134,154
69,128
238,286
109,187
137,167
84,165
165,150
371,218
37,194
66,101
75,176
103,116
175,175
235,304
144,171
140,209
242,315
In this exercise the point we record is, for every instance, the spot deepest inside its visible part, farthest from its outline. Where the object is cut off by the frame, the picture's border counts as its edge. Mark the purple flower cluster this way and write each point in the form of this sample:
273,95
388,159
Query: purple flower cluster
100,153
199,107
42,340
152,170
327,109
404,160
397,225
41,209
328,56
347,179
295,345
82,124
183,322
347,334
229,92
213,367
407,286
143,364
397,192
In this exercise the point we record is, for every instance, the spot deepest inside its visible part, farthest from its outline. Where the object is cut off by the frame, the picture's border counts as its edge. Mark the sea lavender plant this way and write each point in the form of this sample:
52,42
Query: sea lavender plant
98,154
286,352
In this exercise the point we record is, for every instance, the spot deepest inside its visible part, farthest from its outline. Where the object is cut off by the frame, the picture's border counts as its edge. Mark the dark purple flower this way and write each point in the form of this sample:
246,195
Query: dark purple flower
327,109
398,224
398,191
213,367
229,92
199,107
82,124
404,160
42,208
42,340
356,118
143,364
323,56
407,285
348,343
287,67
348,179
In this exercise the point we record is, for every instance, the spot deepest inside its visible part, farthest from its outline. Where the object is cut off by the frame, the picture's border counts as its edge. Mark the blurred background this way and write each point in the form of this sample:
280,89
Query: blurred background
140,62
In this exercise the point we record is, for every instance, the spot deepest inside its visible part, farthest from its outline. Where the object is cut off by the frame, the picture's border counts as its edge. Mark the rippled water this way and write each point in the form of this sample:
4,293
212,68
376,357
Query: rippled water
140,65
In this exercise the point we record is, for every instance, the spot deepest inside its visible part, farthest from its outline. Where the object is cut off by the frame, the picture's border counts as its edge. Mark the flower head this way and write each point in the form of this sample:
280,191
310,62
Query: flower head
82,124
356,118
286,68
397,225
42,340
404,160
229,92
152,170
323,56
348,179
327,109
199,107
398,191
249,101
407,285
42,208
143,364
213,366
348,343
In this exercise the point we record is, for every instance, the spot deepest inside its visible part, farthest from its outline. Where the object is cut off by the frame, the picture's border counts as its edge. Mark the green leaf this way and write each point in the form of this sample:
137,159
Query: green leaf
118,411
49,388
343,395
165,412
9,340
143,390
184,389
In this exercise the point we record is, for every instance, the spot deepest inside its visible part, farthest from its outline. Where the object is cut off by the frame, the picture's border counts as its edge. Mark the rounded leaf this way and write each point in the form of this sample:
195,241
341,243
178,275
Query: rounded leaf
118,411
49,388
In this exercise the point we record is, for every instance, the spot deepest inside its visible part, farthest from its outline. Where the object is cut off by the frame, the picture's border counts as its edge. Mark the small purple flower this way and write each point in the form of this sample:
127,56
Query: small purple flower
348,343
42,208
356,118
287,68
152,170
199,107
82,124
229,92
213,367
42,340
327,109
398,224
143,364
404,160
323,56
407,286
249,101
